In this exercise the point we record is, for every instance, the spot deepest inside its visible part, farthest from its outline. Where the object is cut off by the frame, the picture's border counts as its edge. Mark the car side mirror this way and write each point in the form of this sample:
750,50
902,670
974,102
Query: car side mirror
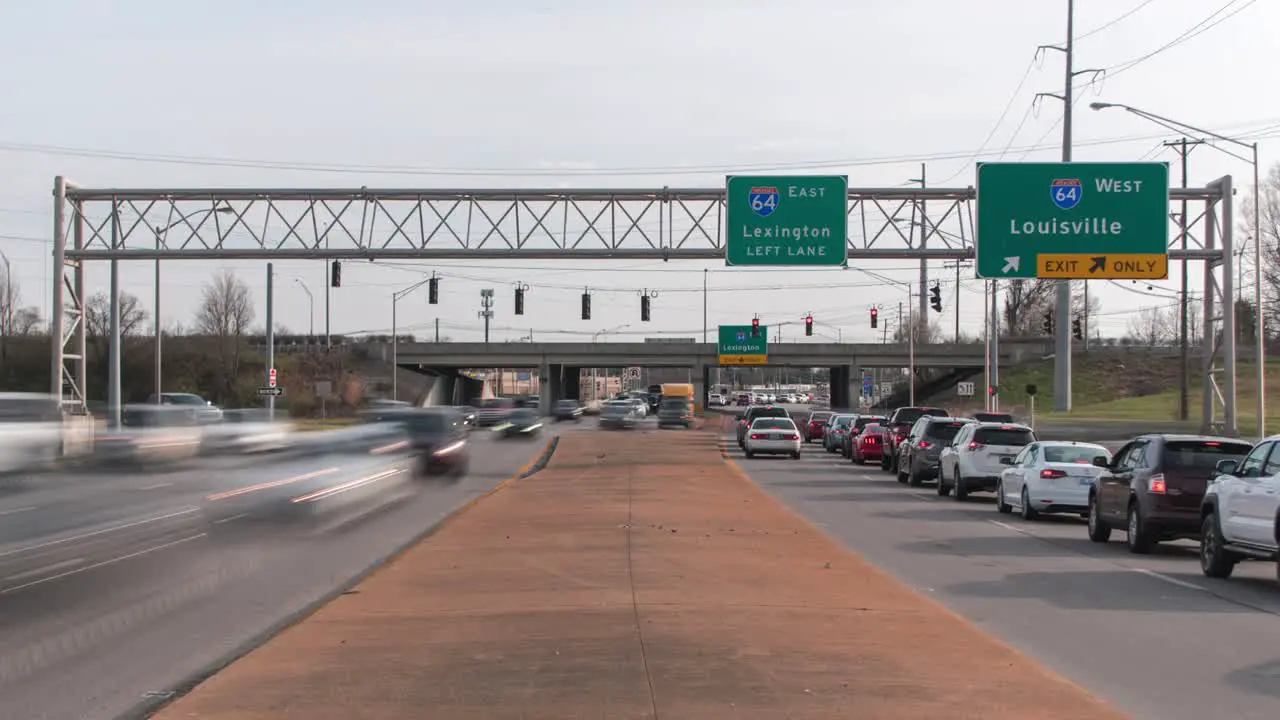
1226,467
1100,461
1006,461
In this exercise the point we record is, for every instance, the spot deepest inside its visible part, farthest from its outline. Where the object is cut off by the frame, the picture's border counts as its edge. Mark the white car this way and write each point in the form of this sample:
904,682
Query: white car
641,406
1241,511
1050,477
972,461
772,436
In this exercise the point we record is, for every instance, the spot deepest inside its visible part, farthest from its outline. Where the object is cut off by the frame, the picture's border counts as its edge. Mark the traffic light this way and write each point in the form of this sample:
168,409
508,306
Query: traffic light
1048,323
433,291
808,325
935,298
520,300
755,327
875,317
336,279
586,306
1077,329
644,308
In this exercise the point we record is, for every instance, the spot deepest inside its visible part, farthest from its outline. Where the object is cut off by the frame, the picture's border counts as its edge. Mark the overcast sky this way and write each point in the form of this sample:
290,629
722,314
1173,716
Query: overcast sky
586,87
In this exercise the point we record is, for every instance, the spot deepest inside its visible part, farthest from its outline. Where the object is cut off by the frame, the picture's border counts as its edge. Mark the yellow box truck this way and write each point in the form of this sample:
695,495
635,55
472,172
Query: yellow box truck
676,406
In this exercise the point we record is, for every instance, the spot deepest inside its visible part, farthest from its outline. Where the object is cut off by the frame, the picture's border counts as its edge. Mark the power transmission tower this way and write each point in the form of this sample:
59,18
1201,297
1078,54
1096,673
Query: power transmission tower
486,302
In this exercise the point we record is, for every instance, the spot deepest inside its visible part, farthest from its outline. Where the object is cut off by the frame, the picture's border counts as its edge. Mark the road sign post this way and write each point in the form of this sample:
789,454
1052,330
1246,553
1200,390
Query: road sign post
868,385
786,220
739,347
964,389
1073,221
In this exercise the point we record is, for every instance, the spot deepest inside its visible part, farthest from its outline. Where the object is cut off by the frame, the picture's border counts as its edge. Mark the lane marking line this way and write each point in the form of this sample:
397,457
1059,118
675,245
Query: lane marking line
104,563
1171,580
15,511
156,486
51,567
73,538
1007,526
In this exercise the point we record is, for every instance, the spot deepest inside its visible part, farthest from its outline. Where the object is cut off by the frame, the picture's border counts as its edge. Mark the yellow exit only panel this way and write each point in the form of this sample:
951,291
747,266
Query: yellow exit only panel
1086,266
744,359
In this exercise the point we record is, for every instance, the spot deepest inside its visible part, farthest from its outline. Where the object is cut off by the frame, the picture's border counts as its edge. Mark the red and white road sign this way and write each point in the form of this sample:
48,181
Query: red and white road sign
271,378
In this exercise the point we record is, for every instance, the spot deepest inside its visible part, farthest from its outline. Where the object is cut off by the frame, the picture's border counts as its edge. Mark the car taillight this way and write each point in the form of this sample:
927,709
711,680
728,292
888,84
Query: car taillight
1052,474
757,436
1156,484
975,445
922,444
793,437
870,439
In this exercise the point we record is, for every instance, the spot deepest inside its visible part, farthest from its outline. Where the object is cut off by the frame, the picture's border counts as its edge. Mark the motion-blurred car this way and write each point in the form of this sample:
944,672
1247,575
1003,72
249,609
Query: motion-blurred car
567,411
468,414
439,442
149,434
520,423
675,412
618,416
30,431
772,436
201,410
247,431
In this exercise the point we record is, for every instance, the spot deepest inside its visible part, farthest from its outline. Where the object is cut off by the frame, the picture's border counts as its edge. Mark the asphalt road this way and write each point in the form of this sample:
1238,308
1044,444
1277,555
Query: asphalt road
114,587
1150,634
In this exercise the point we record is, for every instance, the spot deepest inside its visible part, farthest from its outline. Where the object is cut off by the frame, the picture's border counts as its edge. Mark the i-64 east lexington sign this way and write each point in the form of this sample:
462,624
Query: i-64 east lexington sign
786,220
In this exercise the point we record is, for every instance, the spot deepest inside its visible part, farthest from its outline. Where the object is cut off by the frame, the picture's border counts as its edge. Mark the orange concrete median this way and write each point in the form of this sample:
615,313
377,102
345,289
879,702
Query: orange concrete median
638,576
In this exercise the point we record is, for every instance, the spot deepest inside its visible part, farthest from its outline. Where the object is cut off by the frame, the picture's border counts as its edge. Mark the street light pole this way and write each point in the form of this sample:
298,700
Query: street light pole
311,309
1259,324
159,233
395,336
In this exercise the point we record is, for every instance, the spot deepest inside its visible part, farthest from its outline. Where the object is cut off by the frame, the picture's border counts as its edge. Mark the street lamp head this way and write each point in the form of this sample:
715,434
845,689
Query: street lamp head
1101,105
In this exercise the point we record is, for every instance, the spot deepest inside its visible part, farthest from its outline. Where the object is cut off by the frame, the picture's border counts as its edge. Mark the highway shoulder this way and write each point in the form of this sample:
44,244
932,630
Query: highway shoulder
634,578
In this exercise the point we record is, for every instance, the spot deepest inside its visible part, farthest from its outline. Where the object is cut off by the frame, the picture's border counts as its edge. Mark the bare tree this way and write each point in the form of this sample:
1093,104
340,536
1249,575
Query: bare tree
97,320
15,319
1025,301
225,314
1269,219
1153,327
926,332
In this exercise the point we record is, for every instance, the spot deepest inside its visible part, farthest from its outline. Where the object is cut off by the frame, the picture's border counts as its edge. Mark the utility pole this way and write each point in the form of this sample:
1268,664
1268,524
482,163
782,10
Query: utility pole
1062,334
486,302
1183,148
924,241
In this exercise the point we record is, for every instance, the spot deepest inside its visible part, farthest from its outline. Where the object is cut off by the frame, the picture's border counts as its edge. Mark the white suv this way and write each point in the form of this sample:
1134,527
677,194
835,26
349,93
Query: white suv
976,457
1241,511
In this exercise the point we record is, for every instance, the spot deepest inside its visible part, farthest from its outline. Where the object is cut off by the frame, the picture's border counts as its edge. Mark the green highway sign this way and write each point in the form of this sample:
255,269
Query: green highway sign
1073,221
737,347
786,220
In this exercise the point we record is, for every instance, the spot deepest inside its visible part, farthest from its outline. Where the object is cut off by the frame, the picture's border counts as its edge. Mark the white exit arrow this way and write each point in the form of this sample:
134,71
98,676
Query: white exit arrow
1011,264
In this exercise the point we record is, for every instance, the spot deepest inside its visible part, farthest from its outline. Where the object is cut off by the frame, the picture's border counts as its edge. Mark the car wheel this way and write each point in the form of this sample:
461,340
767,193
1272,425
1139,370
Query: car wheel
1002,507
1026,511
795,456
749,454
943,488
1215,560
1099,531
1139,537
962,492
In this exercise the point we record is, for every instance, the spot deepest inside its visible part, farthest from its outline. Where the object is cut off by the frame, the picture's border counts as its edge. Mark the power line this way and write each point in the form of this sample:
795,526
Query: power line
999,121
1194,31
1113,21
536,172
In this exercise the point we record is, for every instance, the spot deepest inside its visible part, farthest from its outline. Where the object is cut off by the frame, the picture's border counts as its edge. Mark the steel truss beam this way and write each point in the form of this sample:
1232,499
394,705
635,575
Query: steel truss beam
531,224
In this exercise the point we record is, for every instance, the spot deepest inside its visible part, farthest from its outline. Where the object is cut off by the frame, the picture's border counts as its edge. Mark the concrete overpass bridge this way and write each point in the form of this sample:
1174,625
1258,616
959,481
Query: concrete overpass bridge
559,365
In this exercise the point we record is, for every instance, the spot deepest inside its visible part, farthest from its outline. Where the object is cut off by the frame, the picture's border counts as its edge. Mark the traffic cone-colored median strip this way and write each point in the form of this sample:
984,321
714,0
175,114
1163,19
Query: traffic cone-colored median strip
639,575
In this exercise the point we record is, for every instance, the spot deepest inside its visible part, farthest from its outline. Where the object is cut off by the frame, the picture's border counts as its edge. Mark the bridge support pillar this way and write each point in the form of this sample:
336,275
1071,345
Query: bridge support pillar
841,384
701,385
570,383
548,387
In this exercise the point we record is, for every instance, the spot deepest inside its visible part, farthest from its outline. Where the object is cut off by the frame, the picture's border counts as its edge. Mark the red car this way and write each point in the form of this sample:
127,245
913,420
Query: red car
817,424
869,445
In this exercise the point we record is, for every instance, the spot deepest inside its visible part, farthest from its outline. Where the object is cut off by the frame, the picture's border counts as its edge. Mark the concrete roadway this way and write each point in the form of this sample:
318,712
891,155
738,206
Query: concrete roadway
112,588
1150,634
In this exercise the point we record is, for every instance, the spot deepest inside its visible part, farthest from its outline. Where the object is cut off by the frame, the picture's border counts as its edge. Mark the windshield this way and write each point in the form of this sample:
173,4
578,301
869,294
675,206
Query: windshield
183,399
908,416
429,423
767,412
820,417
1079,454
866,420
1004,437
1201,455
773,424
943,432
496,403
841,421
675,404
993,417
616,410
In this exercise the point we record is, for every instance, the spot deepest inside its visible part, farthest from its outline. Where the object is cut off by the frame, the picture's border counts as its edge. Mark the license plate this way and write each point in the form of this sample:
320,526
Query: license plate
1086,481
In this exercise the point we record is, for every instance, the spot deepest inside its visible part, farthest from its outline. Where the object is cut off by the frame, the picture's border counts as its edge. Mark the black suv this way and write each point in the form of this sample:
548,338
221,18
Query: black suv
439,441
899,424
757,411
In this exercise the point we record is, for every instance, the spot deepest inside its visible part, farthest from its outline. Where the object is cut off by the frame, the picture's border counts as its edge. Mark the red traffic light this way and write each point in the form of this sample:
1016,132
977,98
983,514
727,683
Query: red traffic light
755,322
